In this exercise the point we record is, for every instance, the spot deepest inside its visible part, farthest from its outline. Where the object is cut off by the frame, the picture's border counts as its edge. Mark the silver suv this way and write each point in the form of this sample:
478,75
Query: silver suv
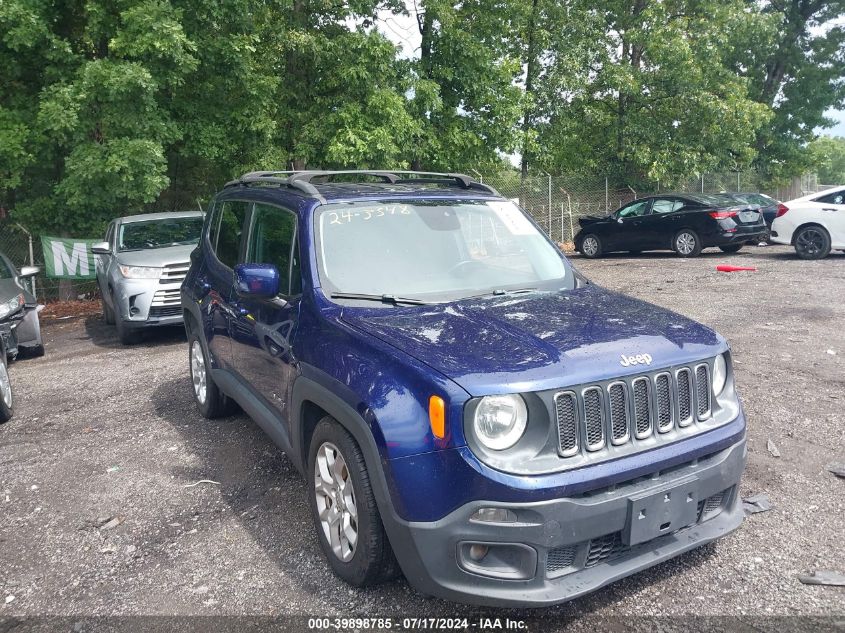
140,268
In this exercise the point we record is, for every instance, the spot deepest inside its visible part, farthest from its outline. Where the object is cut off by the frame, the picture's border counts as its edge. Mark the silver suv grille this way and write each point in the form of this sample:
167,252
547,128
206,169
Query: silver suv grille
174,273
631,409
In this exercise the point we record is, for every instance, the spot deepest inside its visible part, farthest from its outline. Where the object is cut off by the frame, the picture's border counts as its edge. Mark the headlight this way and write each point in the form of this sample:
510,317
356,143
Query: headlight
500,421
140,272
11,306
720,375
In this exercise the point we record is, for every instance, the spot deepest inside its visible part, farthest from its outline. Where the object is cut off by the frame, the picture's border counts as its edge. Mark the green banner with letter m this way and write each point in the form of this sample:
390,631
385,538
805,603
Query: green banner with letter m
68,258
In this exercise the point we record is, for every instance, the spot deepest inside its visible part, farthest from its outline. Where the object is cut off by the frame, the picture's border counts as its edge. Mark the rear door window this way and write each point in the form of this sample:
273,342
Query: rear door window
226,230
667,205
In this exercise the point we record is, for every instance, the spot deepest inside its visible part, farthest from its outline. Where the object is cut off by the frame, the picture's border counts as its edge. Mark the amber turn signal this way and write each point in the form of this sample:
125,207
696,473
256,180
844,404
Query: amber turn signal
437,416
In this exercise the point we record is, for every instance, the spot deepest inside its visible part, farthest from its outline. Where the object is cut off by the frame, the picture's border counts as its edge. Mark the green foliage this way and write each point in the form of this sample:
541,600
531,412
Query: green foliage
118,106
827,155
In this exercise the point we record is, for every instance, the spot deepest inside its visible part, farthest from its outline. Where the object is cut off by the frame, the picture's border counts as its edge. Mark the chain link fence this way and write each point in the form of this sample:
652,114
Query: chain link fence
24,249
557,202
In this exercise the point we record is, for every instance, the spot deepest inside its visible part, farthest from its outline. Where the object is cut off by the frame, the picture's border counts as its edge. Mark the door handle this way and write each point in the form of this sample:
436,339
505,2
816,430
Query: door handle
828,209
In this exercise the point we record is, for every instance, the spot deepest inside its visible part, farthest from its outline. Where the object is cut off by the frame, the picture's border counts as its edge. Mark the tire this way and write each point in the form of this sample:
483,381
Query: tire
686,243
6,399
126,335
370,559
590,246
730,248
812,242
108,313
211,402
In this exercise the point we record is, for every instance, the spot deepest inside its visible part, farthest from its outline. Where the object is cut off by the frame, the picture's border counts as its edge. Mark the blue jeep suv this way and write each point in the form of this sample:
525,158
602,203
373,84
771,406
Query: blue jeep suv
464,406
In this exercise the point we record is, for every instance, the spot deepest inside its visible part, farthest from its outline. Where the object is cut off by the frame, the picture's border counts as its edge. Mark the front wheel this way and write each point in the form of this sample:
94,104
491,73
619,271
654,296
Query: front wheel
6,401
686,243
812,242
344,508
211,402
730,248
591,246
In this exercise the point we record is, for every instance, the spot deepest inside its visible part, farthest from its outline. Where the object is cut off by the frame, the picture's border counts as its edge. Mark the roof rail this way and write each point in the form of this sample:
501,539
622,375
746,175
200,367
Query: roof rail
301,180
401,177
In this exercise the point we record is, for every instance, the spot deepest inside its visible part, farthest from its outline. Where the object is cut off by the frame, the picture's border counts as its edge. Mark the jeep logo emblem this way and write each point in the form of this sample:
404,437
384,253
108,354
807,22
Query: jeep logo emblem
639,359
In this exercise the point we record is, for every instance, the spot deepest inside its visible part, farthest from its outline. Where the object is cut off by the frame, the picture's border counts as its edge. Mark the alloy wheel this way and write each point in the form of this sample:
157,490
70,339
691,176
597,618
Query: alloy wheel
810,241
590,246
685,243
5,386
198,374
336,501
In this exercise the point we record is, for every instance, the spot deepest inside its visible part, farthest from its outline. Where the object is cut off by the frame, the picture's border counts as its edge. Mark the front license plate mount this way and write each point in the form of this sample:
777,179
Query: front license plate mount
660,511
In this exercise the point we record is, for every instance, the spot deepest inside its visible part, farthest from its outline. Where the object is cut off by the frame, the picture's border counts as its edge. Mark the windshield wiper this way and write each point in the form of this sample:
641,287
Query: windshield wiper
499,292
392,299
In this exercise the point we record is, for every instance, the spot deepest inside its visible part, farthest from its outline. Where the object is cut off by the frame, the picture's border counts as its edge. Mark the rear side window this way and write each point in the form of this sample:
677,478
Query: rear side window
273,241
667,206
226,231
833,198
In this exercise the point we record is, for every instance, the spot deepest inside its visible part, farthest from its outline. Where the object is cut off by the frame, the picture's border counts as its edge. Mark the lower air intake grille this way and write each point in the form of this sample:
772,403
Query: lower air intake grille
560,558
712,505
605,548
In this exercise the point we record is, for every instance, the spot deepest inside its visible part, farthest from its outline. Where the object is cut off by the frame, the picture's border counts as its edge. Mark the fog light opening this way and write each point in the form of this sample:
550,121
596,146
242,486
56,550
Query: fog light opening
494,515
477,552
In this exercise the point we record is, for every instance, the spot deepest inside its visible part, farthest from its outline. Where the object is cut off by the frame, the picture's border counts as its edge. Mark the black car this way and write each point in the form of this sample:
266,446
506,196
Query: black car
684,223
20,330
769,207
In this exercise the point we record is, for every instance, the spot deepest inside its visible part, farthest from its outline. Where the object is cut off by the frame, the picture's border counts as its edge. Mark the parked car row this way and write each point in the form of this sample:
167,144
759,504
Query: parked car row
687,223
20,329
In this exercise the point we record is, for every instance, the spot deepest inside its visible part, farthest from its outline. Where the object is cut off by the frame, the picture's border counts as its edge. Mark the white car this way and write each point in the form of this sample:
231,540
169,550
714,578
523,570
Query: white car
814,224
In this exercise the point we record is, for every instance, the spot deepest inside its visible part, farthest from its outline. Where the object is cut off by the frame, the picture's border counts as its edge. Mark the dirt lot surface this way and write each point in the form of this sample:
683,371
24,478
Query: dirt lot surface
99,513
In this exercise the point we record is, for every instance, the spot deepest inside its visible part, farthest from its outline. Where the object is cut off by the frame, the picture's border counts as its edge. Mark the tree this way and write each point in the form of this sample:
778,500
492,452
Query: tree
827,154
466,100
793,53
643,94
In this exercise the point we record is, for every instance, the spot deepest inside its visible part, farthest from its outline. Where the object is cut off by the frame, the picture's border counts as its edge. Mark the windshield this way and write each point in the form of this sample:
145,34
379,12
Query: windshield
434,250
159,233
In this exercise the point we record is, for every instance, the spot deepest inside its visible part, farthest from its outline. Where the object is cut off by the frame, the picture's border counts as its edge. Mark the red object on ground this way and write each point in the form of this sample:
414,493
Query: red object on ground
725,268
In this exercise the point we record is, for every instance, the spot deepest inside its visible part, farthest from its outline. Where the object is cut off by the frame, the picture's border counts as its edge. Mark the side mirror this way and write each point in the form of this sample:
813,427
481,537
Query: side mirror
29,271
101,248
619,219
257,280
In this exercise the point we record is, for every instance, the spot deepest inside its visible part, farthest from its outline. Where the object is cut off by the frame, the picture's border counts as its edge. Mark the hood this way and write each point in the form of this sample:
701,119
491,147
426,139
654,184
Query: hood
539,341
591,219
157,257
9,289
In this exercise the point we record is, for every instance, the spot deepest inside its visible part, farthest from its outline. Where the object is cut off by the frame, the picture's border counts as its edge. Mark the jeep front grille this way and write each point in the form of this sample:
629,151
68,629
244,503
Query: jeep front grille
620,412
566,405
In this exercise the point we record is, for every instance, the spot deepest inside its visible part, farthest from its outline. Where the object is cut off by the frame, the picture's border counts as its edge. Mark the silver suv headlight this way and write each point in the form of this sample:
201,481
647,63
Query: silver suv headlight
500,421
140,272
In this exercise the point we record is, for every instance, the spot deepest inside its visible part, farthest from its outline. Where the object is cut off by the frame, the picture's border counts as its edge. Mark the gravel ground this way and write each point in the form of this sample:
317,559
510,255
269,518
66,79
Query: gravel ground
104,433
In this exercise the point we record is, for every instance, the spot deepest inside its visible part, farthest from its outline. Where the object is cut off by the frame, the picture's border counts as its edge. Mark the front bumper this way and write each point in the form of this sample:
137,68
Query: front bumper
564,548
143,303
